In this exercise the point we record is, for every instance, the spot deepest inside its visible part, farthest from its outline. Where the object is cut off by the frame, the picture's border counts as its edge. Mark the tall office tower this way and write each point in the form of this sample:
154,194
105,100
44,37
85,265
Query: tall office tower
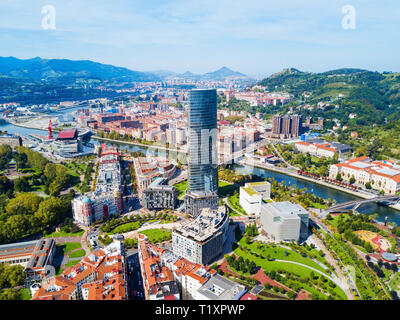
203,153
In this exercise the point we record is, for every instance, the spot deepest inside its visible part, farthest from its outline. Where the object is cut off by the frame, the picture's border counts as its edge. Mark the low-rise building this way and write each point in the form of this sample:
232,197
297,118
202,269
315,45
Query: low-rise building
196,201
12,140
158,280
99,276
322,148
220,288
252,195
36,256
382,175
149,169
284,221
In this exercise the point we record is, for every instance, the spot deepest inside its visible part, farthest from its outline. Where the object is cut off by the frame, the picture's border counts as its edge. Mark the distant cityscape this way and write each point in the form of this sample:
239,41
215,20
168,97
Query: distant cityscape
190,188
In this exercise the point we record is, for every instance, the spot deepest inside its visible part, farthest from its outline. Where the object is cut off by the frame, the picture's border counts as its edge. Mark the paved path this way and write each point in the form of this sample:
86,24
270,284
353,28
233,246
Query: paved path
335,265
313,269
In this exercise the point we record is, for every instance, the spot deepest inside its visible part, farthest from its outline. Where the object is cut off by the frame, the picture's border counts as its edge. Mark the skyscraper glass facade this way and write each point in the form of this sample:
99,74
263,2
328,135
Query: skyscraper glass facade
203,153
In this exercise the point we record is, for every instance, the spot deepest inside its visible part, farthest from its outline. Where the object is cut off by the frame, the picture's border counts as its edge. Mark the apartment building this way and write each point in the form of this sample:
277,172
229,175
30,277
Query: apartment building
106,199
159,195
158,280
201,240
382,175
99,276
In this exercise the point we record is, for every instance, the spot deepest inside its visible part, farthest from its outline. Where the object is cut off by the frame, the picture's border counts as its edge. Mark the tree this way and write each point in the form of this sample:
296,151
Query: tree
352,180
368,185
21,184
55,188
26,203
5,184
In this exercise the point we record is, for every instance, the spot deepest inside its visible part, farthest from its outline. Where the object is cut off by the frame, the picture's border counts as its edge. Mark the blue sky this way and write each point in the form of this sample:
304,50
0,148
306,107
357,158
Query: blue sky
257,37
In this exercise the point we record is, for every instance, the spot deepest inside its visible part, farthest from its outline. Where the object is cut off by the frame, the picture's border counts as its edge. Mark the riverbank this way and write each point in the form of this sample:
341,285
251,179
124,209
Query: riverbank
42,126
283,171
138,144
296,175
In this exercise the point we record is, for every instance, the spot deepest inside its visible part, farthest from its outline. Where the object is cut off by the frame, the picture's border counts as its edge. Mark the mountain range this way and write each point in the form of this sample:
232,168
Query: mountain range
55,69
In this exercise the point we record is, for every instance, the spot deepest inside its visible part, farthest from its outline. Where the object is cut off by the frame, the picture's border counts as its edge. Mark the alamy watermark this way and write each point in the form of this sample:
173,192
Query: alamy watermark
349,18
49,19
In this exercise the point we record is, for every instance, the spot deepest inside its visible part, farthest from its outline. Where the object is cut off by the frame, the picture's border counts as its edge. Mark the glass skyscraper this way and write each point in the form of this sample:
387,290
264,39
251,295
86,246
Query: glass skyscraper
203,153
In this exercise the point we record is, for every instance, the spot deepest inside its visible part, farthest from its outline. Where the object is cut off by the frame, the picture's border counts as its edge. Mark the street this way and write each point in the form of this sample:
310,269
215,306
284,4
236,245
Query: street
135,281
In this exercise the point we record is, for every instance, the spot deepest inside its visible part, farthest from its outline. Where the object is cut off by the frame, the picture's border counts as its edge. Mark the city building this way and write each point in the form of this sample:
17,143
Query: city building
159,195
321,148
284,221
158,280
99,276
189,276
67,142
12,140
201,240
203,152
381,175
220,288
286,126
106,199
148,169
198,200
36,256
252,195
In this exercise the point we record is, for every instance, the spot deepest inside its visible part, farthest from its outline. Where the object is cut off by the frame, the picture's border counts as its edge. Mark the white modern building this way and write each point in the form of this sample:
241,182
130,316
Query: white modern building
220,288
252,195
284,221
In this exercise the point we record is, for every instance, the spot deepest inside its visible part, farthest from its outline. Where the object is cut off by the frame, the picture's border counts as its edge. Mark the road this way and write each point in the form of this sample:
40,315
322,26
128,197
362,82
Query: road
135,281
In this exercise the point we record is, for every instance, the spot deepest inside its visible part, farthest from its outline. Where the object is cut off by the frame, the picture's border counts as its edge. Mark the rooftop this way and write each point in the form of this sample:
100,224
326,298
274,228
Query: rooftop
207,224
220,288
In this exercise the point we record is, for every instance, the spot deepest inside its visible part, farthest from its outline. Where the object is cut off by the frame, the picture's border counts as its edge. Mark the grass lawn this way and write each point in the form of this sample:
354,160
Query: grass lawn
68,246
319,206
233,201
181,188
130,226
65,234
279,254
395,282
77,254
157,235
72,263
225,188
292,268
334,221
25,294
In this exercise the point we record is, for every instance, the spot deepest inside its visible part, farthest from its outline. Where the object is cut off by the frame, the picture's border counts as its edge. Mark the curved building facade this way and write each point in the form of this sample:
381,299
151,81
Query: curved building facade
203,153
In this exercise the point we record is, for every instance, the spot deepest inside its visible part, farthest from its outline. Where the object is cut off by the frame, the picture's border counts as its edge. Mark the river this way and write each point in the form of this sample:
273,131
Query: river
319,190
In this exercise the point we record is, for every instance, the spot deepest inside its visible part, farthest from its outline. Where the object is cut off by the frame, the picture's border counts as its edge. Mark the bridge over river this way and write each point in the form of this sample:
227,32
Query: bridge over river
355,204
